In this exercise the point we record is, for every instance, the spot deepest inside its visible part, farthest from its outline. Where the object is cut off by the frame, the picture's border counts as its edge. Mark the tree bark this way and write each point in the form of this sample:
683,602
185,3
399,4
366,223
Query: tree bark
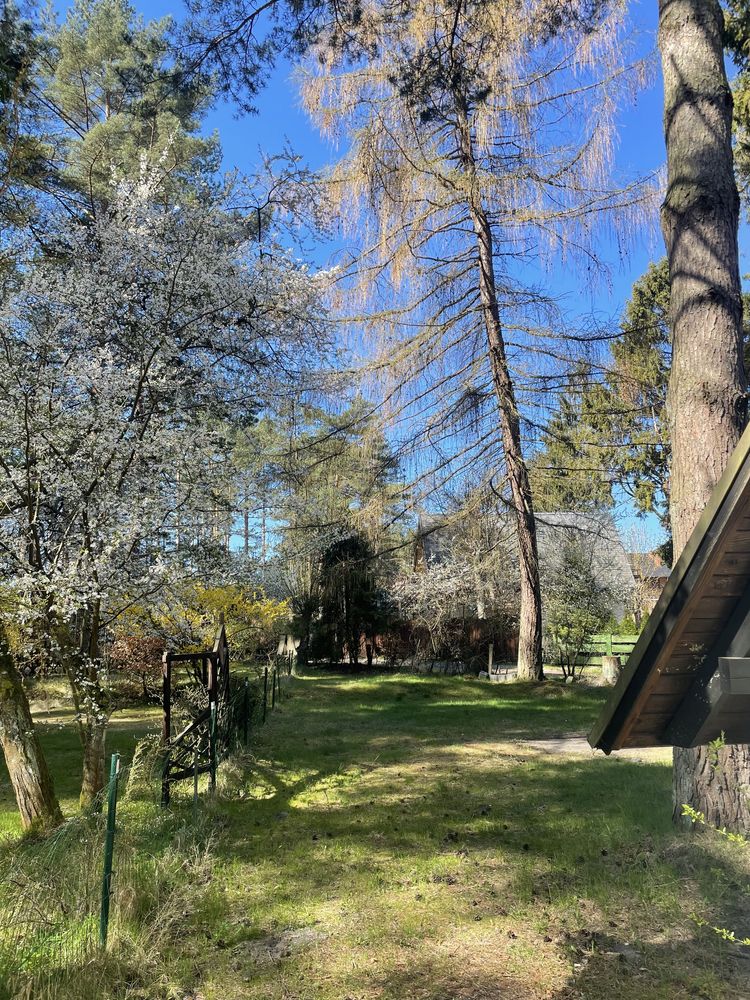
91,701
611,669
530,617
714,783
706,398
24,758
93,738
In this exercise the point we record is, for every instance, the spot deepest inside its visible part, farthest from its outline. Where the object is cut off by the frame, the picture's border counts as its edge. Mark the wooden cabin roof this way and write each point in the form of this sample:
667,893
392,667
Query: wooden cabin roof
701,615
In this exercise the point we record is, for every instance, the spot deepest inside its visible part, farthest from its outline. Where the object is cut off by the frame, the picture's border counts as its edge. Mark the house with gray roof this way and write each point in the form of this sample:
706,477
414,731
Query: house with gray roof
595,535
651,576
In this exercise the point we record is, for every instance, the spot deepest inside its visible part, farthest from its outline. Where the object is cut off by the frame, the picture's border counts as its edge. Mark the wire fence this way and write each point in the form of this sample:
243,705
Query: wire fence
65,897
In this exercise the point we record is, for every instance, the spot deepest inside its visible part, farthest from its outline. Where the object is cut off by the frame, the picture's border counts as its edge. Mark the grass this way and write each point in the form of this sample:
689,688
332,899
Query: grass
62,748
397,837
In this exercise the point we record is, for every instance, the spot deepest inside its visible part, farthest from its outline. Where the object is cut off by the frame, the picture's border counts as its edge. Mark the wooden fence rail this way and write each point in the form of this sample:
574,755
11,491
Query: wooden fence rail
607,644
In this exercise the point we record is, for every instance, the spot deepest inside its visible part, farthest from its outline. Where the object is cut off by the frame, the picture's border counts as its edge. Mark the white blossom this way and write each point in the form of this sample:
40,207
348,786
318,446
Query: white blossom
123,355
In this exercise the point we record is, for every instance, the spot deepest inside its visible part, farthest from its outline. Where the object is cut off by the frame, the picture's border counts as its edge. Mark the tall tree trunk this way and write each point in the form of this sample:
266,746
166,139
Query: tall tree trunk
530,618
706,405
24,758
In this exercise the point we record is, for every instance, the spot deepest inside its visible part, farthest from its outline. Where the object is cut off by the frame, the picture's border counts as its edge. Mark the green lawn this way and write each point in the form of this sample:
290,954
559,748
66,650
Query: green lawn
394,837
63,751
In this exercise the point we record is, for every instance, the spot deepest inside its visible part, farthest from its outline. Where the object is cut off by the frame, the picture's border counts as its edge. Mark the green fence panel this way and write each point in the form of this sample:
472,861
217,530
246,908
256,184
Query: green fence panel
606,644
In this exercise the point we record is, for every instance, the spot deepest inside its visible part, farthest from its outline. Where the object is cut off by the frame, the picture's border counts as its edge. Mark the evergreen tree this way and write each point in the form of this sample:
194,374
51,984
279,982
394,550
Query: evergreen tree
737,43
116,97
637,384
352,606
569,471
609,431
23,156
325,483
96,97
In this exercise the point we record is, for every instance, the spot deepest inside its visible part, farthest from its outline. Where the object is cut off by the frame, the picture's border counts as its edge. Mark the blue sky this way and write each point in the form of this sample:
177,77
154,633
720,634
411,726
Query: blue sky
640,150
280,119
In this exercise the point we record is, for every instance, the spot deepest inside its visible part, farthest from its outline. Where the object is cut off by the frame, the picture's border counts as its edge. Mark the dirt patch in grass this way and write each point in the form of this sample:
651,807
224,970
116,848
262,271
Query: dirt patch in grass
579,745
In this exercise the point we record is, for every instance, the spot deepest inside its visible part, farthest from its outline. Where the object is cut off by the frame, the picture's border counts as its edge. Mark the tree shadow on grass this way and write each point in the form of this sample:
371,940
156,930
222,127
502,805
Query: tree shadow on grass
600,967
401,803
401,807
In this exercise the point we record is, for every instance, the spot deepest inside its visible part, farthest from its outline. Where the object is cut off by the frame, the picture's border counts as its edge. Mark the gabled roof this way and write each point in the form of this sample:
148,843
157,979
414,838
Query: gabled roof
655,573
647,566
702,615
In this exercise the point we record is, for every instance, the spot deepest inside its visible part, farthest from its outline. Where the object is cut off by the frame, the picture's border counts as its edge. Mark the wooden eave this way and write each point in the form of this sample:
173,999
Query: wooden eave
689,621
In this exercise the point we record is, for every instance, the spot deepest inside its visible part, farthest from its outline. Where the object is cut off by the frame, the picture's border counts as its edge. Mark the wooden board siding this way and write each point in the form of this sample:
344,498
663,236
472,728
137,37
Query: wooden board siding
722,706
679,643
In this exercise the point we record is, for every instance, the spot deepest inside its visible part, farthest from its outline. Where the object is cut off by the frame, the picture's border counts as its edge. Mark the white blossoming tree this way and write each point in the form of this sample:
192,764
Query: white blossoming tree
123,356
471,581
433,601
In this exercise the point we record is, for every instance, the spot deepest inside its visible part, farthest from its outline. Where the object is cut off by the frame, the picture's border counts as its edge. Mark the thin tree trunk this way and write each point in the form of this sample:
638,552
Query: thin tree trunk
91,704
706,404
530,617
93,762
24,758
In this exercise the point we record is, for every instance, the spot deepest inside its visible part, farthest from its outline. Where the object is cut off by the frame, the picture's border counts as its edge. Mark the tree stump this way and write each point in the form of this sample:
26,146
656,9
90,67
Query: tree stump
611,668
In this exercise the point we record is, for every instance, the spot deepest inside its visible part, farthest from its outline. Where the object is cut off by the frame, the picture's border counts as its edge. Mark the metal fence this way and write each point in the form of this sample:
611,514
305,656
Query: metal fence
56,896
62,897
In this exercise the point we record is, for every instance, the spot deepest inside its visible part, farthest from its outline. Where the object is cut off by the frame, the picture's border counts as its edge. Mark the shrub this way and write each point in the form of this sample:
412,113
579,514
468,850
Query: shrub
253,621
577,605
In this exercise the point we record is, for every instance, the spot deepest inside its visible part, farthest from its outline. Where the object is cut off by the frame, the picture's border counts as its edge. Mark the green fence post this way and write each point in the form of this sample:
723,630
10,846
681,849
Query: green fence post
212,745
246,712
273,689
265,692
109,846
195,783
609,644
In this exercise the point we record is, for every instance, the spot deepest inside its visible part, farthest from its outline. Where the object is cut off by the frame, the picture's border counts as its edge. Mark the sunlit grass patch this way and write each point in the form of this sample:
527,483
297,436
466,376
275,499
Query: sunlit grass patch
394,837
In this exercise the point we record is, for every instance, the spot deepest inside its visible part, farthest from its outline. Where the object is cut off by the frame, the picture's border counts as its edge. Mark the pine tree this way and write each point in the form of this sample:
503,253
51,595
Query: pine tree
104,97
610,432
570,470
737,42
23,155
